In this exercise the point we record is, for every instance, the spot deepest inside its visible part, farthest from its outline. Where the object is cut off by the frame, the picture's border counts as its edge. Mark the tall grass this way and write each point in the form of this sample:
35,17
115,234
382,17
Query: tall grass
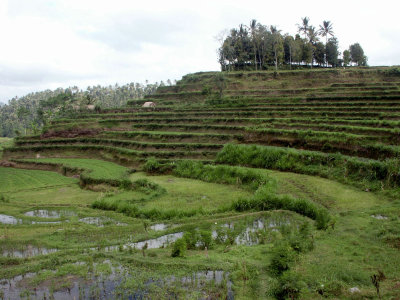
335,166
221,174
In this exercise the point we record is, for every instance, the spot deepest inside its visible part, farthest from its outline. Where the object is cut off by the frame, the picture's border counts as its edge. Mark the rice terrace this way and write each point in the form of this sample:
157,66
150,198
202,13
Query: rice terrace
271,179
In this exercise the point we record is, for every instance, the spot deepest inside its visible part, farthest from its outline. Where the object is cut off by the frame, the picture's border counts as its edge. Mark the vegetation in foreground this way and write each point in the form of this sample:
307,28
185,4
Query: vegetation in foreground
280,260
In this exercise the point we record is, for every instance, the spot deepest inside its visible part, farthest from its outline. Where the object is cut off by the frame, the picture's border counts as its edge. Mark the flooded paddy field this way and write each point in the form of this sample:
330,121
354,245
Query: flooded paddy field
183,241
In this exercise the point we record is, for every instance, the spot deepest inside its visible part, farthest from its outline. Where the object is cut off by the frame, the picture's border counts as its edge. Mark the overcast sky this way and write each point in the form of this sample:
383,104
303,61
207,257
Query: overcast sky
60,43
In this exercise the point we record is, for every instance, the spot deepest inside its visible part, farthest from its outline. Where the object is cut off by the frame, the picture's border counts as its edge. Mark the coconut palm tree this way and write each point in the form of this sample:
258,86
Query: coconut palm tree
325,30
312,35
303,27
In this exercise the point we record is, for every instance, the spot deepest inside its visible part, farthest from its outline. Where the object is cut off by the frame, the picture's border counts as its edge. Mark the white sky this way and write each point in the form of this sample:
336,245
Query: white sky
60,43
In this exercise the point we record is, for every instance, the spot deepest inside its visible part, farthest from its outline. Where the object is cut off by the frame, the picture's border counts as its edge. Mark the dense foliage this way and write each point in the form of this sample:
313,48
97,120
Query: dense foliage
28,113
259,47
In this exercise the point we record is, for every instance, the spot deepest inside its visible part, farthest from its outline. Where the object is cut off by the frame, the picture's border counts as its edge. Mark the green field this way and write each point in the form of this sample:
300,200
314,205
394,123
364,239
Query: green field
96,168
13,180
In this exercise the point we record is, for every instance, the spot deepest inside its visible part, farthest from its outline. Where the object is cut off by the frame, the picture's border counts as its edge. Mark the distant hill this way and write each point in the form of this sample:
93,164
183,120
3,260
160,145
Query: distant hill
28,113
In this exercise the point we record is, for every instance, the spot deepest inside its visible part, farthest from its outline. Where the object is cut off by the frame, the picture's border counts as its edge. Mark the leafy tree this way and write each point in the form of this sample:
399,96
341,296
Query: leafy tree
253,31
332,52
290,49
30,112
307,52
277,46
259,47
319,53
357,55
346,58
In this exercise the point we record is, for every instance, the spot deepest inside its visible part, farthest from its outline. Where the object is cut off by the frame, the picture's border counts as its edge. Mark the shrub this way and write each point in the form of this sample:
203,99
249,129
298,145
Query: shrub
266,199
221,174
206,239
282,257
336,166
289,285
191,239
153,166
302,241
332,289
4,198
179,248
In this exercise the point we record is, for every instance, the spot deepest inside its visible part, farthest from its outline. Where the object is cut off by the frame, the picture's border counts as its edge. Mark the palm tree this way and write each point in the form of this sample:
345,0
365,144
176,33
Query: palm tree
303,27
253,28
312,35
325,29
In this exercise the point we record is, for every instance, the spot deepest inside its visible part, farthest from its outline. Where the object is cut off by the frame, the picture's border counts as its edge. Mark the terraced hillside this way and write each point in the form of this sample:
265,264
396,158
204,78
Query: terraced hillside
259,185
353,112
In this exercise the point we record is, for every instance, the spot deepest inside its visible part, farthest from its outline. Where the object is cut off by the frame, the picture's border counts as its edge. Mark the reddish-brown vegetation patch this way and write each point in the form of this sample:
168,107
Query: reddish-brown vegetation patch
71,133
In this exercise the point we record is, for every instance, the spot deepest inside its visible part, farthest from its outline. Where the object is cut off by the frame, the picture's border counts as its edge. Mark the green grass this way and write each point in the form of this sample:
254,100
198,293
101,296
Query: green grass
4,143
13,180
96,168
189,194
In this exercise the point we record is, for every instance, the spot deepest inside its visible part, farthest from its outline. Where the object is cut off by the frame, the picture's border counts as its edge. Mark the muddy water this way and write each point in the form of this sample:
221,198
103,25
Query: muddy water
29,251
379,217
159,227
109,286
249,235
159,242
44,213
101,221
10,220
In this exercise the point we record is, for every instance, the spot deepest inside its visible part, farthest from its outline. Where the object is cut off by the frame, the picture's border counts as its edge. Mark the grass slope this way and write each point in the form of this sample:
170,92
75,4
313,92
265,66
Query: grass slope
13,180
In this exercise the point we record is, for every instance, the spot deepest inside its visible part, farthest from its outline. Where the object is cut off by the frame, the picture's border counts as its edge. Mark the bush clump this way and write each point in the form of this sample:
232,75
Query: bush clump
266,199
153,166
220,174
179,248
335,166
282,258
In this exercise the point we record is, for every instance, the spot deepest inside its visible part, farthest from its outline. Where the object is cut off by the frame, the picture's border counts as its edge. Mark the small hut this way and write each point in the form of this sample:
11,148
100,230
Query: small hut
149,104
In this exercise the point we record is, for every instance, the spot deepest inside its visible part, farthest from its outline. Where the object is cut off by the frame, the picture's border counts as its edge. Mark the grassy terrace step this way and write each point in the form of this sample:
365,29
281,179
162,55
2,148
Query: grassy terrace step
243,102
360,145
347,169
362,84
190,128
133,155
15,179
386,126
372,91
172,136
182,87
265,113
319,92
97,168
124,143
283,123
279,132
